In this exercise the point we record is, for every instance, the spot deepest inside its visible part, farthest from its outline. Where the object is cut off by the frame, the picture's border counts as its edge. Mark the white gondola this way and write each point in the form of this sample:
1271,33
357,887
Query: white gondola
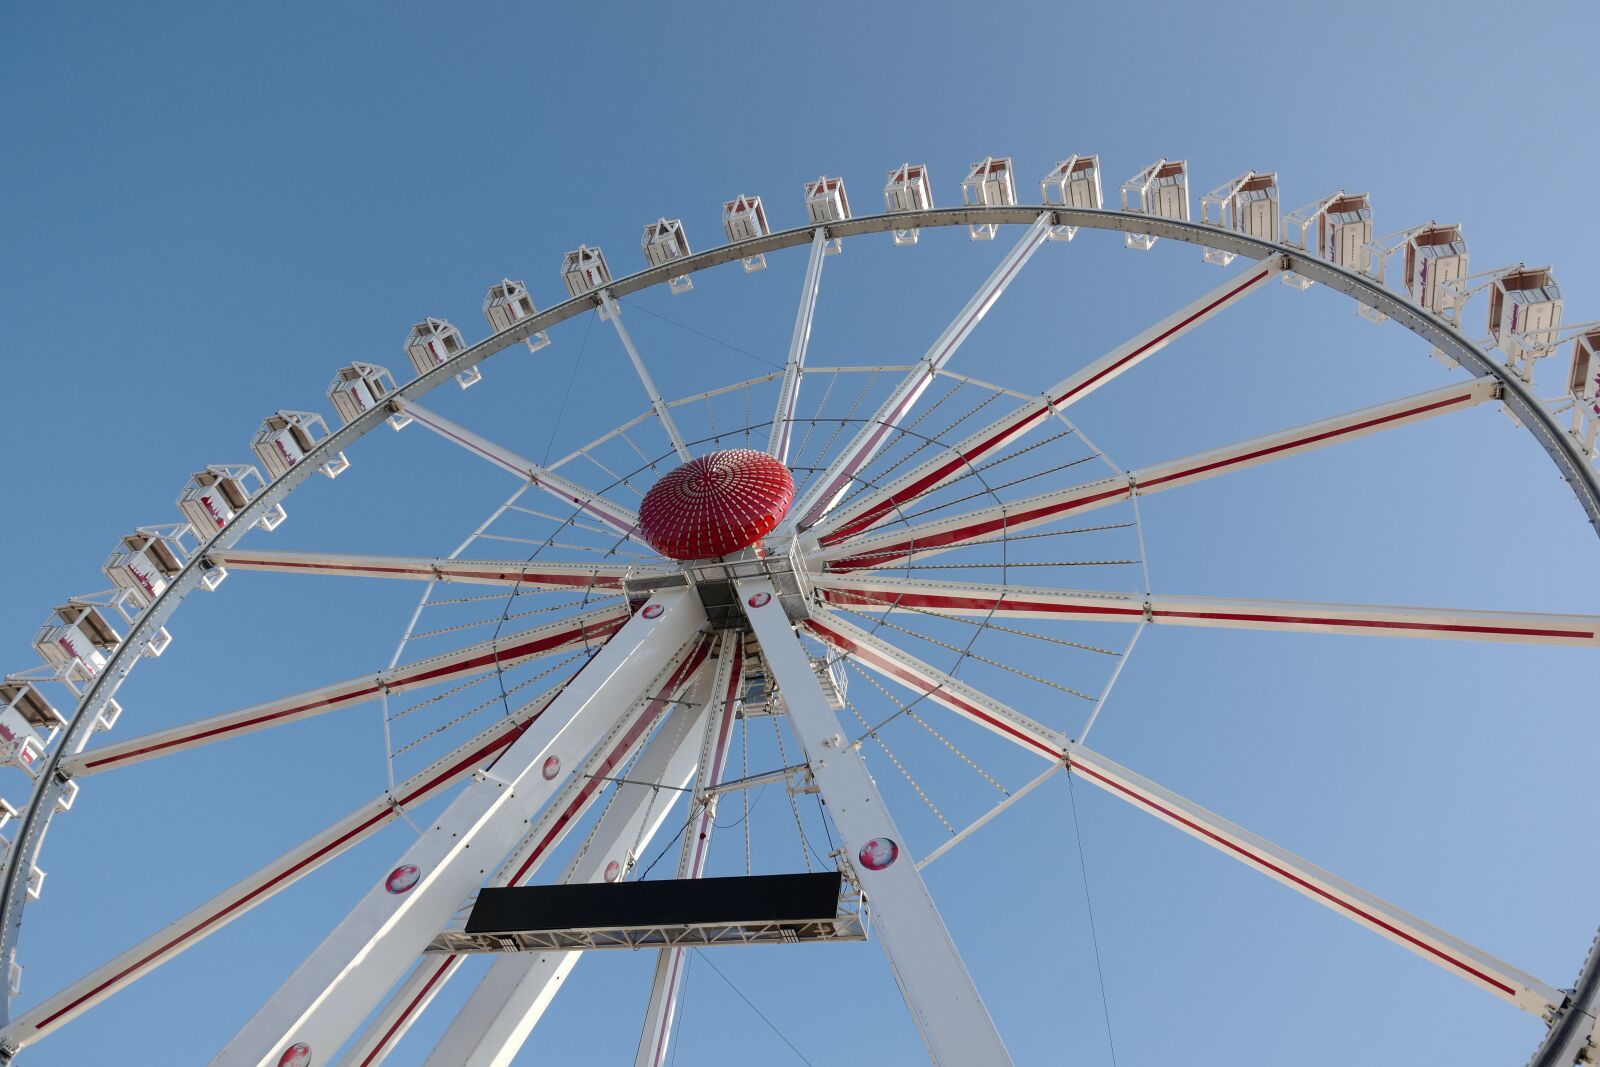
1435,255
1248,204
215,495
1524,315
78,638
20,744
663,242
989,183
1161,190
433,343
907,190
1584,385
1343,233
28,725
286,437
360,388
145,564
744,219
827,202
1075,183
507,303
583,270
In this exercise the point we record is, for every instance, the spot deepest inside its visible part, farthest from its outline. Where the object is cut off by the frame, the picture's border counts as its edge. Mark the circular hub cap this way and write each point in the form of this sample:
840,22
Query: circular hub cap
716,504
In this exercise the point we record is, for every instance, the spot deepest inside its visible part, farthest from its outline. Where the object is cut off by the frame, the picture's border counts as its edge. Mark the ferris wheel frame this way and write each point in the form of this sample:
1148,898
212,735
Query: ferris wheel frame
1567,1035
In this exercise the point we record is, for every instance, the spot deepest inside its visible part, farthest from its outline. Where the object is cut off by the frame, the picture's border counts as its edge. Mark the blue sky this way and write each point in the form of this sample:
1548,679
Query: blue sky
206,209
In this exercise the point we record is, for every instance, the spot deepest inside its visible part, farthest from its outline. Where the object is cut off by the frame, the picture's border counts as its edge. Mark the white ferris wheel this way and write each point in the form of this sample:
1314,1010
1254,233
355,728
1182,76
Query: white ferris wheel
775,584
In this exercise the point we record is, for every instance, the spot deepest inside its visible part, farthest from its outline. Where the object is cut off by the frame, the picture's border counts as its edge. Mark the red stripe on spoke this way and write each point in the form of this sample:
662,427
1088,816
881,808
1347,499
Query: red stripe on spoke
416,1001
1376,624
538,577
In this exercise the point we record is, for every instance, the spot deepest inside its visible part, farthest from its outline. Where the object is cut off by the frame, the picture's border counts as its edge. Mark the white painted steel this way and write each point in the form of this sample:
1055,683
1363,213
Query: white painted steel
717,733
945,1005
882,503
554,823
657,405
832,483
794,366
998,520
201,922
1343,898
613,515
490,1029
875,593
349,972
529,575
575,631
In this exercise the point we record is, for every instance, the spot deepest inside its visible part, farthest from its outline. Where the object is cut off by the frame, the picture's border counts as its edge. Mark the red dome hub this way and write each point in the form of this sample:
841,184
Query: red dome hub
716,504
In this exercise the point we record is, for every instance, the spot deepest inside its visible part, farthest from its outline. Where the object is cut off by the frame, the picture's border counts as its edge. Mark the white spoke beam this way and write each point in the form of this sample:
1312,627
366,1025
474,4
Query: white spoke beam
523,575
875,593
789,386
577,631
716,736
205,920
832,483
658,405
999,520
615,516
557,819
348,974
945,1005
512,997
1429,942
881,503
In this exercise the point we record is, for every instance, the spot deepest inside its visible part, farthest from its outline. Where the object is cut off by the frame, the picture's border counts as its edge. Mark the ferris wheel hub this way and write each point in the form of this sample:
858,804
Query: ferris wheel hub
716,504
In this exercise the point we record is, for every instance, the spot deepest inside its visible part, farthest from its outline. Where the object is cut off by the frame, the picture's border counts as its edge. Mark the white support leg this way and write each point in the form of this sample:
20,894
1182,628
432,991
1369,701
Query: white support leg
546,833
657,404
833,483
718,732
979,445
613,515
349,972
999,520
789,387
508,1003
954,1024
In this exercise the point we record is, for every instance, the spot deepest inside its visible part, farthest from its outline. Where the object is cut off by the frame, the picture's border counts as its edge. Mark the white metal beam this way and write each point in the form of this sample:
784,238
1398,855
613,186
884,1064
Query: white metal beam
524,575
794,368
347,975
880,503
205,920
491,1028
658,405
875,593
576,631
558,818
619,518
999,520
945,1005
833,482
1427,941
667,981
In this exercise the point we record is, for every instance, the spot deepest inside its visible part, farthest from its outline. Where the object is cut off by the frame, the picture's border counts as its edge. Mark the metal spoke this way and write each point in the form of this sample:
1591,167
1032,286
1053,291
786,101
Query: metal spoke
589,628
940,535
528,575
936,472
789,388
830,488
658,405
1007,601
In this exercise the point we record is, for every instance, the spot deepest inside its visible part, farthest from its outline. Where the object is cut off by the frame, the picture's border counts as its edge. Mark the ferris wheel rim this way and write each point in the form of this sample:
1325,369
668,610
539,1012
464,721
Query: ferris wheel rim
1579,474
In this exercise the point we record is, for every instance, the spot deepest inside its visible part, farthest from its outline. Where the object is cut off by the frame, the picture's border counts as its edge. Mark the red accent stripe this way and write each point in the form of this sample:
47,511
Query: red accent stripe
503,656
889,553
947,698
416,1001
870,516
1379,624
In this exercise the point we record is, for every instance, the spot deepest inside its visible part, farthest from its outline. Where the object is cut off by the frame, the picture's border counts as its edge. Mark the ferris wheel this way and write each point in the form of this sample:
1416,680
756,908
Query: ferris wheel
847,586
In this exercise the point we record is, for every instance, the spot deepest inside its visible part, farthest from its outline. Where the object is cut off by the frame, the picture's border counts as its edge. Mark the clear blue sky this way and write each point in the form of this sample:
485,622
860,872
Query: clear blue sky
205,209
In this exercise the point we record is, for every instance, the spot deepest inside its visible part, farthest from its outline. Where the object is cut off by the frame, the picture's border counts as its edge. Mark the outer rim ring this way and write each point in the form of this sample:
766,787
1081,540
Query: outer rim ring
1565,1037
